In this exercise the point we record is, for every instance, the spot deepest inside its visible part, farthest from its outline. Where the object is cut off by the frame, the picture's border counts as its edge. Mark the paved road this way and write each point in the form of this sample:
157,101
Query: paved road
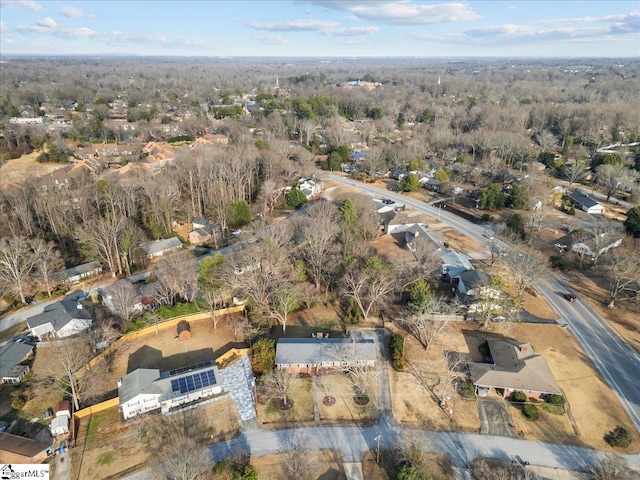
616,360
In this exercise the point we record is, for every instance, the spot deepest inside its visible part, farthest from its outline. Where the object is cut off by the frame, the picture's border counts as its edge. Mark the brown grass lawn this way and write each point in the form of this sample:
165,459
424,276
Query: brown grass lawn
595,407
106,447
19,169
302,411
413,405
325,465
437,464
344,410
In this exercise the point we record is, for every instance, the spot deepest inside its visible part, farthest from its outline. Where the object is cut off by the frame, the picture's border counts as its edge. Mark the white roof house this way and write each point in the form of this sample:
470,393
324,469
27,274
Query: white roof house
144,389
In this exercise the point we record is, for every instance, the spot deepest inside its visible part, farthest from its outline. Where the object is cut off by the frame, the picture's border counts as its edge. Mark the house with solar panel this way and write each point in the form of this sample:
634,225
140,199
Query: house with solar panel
148,389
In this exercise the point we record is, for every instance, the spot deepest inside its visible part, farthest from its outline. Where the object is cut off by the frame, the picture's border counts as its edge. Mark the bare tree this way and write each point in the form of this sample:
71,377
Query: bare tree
426,327
278,384
613,467
18,259
298,458
483,470
283,301
412,450
453,362
613,176
124,299
527,268
354,363
177,277
368,288
576,171
178,444
622,268
69,358
49,265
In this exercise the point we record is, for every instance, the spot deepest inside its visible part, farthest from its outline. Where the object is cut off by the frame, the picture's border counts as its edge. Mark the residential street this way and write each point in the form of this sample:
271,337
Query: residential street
614,358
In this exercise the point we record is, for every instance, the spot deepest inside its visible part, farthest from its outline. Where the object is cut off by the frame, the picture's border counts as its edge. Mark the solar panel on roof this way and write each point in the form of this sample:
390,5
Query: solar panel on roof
194,382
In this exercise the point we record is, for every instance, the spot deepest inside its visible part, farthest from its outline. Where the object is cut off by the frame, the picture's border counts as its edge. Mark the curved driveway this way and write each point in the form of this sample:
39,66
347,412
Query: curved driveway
616,360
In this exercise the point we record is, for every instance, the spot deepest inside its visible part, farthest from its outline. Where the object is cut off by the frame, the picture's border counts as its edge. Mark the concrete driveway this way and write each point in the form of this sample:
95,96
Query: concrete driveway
494,417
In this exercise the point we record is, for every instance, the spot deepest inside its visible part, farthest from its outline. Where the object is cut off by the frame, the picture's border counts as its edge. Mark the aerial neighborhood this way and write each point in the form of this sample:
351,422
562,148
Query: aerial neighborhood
199,259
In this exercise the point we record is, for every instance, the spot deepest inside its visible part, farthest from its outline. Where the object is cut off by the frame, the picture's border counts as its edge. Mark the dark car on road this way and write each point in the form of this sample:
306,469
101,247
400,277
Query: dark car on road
570,297
388,201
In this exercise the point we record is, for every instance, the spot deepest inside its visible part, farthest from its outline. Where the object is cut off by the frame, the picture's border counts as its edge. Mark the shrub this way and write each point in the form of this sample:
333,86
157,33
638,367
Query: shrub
397,351
414,472
531,411
618,437
558,262
296,198
264,356
556,399
484,348
467,390
519,397
353,313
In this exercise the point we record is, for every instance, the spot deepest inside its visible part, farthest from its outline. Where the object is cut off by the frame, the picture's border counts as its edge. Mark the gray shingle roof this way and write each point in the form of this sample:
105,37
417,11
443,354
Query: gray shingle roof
137,382
81,269
58,314
315,351
11,354
472,278
516,367
158,246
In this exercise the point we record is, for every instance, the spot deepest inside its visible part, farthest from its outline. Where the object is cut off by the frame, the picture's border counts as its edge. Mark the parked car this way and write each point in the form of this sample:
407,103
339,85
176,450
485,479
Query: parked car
388,201
570,297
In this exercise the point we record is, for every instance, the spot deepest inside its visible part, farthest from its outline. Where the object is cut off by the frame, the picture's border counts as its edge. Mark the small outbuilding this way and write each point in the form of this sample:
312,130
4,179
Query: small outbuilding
184,330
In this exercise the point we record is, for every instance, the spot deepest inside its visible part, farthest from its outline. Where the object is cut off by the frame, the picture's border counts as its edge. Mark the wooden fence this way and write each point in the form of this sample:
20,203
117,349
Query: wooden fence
171,323
98,407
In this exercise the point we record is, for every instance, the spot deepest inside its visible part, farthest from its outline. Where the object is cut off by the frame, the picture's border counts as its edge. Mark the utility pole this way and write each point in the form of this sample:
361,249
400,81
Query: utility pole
378,450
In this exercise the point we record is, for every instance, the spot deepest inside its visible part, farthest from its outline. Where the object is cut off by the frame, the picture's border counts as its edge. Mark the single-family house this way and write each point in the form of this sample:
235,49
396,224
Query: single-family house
60,424
585,242
320,355
201,230
433,184
145,390
75,274
12,358
158,155
18,449
399,221
60,319
514,367
158,248
310,187
473,282
454,264
587,203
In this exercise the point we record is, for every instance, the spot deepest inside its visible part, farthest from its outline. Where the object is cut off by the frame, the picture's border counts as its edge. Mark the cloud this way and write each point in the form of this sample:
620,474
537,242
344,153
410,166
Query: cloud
403,12
47,23
351,32
299,25
28,4
272,40
73,12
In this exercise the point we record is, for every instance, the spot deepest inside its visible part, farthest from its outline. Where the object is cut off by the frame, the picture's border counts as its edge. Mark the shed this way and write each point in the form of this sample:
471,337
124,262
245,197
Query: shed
184,330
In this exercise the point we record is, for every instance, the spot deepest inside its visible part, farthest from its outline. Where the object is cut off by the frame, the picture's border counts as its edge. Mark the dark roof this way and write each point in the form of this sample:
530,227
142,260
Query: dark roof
586,201
472,278
182,326
11,354
515,366
200,221
23,446
314,350
158,246
58,314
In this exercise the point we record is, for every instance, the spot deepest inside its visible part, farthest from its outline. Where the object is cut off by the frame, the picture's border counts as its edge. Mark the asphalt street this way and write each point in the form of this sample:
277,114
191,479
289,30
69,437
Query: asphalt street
617,361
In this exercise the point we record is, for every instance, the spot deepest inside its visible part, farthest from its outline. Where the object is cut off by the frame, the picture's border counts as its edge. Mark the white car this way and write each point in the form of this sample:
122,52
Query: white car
236,232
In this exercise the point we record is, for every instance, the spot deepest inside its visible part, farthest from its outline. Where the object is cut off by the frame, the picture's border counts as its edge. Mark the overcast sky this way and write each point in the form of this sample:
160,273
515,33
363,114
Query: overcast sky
323,28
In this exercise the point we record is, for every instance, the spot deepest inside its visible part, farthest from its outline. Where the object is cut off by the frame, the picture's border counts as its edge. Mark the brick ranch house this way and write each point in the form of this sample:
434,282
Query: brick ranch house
322,355
515,367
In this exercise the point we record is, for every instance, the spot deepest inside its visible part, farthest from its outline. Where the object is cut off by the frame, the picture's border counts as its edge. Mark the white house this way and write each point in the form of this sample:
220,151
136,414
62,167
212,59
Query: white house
310,187
77,273
158,248
145,390
60,319
454,264
12,358
473,282
586,203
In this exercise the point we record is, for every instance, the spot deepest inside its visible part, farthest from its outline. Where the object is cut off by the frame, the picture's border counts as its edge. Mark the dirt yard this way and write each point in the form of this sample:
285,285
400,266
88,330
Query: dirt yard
437,464
107,447
20,169
325,465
